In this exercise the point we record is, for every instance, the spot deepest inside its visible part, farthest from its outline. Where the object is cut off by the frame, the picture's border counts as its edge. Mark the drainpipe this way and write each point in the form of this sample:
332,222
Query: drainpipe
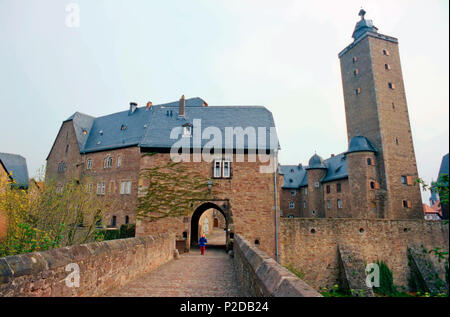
276,205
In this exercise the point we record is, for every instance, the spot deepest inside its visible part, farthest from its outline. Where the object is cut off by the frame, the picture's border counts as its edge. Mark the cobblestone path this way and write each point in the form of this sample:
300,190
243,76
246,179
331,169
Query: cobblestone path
192,275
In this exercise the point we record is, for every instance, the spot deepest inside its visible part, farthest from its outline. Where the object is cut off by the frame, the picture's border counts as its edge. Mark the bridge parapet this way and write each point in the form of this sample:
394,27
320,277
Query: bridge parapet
100,266
260,275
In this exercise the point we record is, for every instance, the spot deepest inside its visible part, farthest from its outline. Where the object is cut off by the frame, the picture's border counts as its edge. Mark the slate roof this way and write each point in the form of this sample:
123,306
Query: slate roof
337,168
360,144
363,26
444,166
17,166
316,162
151,127
295,176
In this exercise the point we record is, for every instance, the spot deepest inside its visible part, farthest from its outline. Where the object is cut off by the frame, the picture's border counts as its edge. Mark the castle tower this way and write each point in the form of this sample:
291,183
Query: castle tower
376,108
316,171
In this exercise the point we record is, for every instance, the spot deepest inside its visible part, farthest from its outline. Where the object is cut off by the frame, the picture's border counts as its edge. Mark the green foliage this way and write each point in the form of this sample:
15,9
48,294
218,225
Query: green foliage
387,286
441,187
291,268
335,291
48,217
125,231
171,190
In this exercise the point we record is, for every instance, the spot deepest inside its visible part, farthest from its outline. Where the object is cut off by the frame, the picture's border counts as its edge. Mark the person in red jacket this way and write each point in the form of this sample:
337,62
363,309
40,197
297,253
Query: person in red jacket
202,244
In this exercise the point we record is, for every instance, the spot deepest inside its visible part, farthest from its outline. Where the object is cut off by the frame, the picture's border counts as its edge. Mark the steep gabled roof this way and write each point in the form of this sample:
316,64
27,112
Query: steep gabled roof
16,165
293,176
165,118
337,168
151,127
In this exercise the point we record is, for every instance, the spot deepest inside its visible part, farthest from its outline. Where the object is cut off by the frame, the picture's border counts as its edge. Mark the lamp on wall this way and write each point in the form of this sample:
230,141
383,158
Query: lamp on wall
210,185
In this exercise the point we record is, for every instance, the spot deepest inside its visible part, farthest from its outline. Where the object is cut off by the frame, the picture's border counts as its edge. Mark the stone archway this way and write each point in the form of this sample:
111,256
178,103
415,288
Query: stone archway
220,206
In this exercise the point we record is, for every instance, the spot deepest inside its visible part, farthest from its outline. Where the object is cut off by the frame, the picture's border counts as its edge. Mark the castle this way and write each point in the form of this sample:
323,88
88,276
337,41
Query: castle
375,177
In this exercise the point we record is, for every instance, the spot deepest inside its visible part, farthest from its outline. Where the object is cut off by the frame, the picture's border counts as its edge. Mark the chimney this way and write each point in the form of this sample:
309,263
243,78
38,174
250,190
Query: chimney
149,105
133,107
182,107
332,155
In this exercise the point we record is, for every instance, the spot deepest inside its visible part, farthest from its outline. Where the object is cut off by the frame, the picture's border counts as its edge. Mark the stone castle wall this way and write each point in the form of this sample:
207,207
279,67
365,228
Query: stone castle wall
259,275
103,267
311,245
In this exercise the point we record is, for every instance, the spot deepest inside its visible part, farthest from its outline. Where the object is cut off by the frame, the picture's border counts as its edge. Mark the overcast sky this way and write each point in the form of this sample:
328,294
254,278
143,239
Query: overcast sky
280,54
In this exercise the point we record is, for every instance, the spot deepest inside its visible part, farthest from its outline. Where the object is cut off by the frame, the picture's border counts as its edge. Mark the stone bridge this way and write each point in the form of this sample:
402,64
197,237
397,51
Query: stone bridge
149,266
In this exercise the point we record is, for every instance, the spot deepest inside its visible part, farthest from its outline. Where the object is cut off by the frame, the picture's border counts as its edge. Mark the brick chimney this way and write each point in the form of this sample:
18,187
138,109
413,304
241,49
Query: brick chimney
149,105
332,155
133,107
182,107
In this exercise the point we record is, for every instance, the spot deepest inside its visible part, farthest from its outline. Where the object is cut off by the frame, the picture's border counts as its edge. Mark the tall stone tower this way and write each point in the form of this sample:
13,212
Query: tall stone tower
376,108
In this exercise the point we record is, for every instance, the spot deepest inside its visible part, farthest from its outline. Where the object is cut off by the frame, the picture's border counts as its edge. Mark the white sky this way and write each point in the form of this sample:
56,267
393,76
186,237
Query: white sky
280,54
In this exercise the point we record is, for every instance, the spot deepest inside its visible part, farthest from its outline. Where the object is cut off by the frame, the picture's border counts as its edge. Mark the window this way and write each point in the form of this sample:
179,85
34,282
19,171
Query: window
391,86
125,187
127,220
187,130
407,180
313,212
59,188
329,204
101,188
67,148
404,180
293,192
84,131
226,169
89,164
217,168
108,162
304,204
407,204
291,205
306,190
387,66
358,91
89,188
356,72
339,203
369,161
386,52
119,161
372,185
113,221
373,204
396,141
355,59
222,169
316,184
328,189
338,187
123,127
61,167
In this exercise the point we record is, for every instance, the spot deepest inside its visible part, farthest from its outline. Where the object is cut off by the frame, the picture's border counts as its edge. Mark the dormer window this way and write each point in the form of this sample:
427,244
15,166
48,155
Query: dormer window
187,130
84,131
123,127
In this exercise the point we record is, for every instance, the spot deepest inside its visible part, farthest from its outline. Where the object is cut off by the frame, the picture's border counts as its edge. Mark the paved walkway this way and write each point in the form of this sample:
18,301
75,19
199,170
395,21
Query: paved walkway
191,275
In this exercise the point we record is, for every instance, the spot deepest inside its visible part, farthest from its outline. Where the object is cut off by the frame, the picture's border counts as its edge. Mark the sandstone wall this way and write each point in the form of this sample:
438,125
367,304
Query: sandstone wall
259,275
103,266
311,245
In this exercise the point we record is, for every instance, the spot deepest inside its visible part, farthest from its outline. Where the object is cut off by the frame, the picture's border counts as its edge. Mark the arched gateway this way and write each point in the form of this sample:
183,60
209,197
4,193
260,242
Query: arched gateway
221,206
